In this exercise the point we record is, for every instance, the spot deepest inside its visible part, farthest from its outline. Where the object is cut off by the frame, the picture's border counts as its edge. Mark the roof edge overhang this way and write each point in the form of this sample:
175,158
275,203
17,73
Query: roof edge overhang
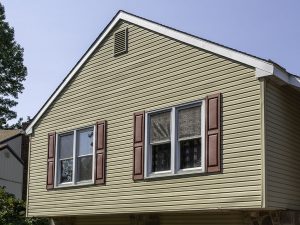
262,67
281,74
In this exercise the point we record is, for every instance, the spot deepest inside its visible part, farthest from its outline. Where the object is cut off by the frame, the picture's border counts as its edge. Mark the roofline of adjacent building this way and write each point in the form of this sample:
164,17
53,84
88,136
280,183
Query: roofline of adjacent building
263,68
12,137
6,146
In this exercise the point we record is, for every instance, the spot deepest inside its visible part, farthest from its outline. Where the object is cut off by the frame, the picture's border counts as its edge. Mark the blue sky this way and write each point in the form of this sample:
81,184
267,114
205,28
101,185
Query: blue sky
56,33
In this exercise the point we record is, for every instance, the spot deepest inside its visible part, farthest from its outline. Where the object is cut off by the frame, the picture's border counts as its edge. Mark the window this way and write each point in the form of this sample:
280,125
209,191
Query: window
175,140
75,157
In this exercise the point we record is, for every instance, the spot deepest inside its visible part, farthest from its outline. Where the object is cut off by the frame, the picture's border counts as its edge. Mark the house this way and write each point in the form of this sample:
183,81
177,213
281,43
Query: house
13,162
156,126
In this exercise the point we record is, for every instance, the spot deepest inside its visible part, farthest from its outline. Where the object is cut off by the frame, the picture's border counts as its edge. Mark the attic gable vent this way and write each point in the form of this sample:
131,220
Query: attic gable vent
120,42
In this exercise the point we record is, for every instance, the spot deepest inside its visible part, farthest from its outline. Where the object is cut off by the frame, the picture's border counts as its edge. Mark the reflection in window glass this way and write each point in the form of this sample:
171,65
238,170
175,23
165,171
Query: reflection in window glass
83,151
190,153
85,168
66,168
85,154
66,157
66,146
85,141
161,157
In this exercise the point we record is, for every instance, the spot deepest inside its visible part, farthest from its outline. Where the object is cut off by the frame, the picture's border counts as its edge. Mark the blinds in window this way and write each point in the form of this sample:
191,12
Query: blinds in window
189,122
160,127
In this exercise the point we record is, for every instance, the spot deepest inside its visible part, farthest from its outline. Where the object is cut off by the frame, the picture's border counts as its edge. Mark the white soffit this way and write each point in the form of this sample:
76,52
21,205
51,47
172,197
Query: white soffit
263,67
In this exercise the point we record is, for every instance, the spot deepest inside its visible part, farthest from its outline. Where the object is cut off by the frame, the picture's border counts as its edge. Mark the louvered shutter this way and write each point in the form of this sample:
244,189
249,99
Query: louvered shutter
138,145
51,161
213,133
100,152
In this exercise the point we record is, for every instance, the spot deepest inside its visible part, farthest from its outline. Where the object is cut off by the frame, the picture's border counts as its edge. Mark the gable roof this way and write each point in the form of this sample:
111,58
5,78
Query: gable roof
6,135
262,67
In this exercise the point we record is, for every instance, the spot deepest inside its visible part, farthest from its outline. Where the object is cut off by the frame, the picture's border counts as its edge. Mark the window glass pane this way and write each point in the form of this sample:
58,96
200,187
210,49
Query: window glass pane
161,157
66,170
85,141
189,122
85,165
160,127
190,153
66,146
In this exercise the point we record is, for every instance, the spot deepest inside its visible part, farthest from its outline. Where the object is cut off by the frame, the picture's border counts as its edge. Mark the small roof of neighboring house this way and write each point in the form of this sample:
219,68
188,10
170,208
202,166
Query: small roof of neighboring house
6,135
6,146
262,67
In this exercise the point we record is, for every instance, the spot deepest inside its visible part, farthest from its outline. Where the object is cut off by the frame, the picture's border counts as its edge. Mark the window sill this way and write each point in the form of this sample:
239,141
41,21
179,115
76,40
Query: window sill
71,185
169,174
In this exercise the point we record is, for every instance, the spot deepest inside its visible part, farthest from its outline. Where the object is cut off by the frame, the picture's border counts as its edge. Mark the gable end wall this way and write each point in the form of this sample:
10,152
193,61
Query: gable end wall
155,73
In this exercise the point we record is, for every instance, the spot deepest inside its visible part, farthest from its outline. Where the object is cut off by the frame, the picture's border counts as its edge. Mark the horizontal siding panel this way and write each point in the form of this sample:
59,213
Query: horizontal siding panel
156,72
153,92
127,189
282,145
127,206
174,76
238,204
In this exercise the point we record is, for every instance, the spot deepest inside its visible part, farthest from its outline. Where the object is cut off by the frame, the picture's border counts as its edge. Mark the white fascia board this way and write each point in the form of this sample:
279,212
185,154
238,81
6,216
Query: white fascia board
263,68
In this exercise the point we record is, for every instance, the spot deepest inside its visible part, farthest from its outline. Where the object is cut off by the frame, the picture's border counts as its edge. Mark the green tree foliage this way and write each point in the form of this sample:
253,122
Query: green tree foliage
12,70
12,211
18,124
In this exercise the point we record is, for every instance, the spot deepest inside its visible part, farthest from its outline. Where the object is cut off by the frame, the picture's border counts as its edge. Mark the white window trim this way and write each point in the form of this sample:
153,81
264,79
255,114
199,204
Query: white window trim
175,163
74,178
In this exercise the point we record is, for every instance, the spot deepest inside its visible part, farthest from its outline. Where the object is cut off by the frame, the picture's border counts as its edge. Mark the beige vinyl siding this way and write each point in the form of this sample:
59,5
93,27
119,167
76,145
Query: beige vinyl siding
282,146
155,73
233,218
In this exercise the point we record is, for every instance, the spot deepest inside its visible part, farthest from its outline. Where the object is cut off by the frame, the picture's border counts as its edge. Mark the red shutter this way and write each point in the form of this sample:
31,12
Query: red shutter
138,145
213,133
100,152
51,160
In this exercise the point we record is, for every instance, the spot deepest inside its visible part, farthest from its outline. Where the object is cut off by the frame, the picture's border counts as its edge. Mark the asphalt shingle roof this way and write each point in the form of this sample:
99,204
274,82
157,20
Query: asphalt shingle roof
6,134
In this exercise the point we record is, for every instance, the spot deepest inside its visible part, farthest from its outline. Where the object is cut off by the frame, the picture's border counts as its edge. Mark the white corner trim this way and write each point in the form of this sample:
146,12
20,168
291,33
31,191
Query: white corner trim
264,68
